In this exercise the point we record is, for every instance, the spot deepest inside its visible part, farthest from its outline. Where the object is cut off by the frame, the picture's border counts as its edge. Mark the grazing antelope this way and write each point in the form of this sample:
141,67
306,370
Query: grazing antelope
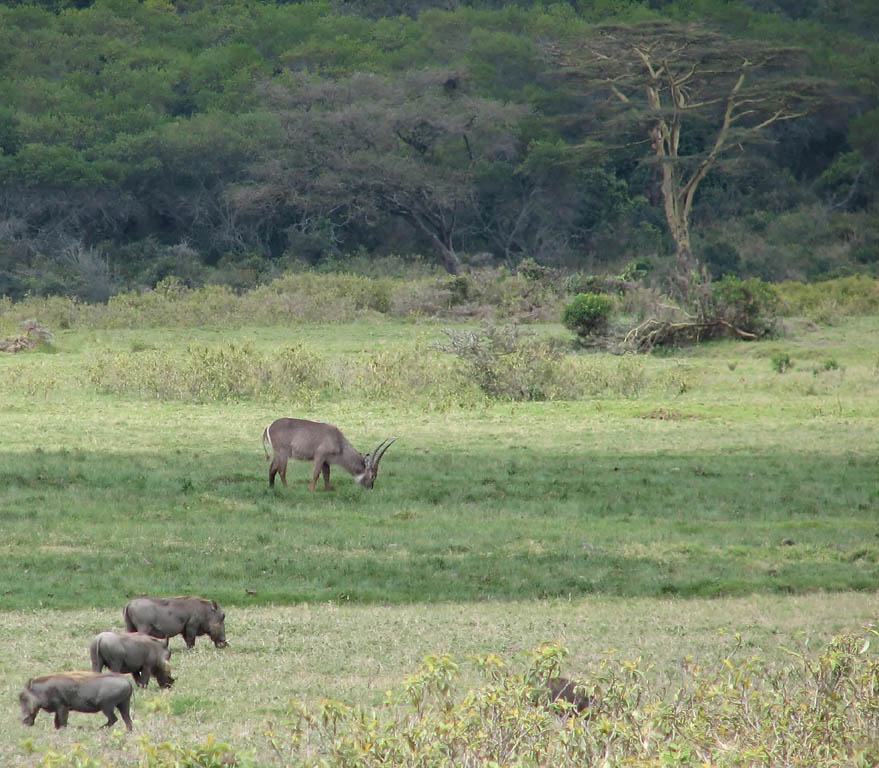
322,443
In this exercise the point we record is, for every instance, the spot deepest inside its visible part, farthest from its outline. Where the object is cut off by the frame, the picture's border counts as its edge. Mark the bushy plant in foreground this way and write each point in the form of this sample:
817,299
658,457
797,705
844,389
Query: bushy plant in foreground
820,710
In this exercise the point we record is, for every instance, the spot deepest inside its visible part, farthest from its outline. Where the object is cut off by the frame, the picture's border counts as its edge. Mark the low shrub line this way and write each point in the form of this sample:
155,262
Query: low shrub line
819,710
492,363
336,298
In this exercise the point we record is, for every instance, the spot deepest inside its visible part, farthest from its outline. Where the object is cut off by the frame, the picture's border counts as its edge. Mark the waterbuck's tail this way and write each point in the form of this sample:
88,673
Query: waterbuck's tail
266,442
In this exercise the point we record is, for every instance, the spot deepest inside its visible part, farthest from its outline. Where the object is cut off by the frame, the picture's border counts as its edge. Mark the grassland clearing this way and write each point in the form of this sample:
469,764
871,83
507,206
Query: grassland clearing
689,497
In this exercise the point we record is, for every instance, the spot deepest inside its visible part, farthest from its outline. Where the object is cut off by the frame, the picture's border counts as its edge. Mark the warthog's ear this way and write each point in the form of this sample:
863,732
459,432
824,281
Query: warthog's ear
214,604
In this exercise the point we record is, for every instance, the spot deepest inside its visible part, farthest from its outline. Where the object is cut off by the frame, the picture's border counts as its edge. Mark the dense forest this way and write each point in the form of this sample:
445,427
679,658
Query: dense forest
228,142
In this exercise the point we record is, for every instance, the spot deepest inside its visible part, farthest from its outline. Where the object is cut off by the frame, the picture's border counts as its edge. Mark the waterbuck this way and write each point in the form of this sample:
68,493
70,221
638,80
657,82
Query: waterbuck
322,443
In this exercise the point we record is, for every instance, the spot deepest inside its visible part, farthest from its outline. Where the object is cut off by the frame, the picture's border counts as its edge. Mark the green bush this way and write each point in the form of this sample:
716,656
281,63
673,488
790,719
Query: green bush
214,374
747,305
818,709
507,363
825,301
781,362
587,314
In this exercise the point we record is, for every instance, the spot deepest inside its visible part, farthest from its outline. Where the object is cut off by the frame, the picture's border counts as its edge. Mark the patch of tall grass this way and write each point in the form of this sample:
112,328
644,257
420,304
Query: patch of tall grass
831,300
226,372
520,369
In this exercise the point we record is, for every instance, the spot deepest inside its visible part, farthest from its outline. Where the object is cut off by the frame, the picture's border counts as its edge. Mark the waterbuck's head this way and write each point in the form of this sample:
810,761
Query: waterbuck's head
370,464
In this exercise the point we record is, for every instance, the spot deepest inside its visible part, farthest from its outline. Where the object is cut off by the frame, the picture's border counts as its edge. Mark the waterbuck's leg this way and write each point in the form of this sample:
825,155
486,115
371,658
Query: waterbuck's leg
326,471
278,467
318,468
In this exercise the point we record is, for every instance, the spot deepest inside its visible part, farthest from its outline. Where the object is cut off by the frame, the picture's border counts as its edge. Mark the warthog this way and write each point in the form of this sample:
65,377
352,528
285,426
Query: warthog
79,691
169,616
141,655
571,691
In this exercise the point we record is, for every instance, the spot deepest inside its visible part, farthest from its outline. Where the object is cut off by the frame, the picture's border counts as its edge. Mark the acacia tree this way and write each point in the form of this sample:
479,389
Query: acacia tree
692,96
369,147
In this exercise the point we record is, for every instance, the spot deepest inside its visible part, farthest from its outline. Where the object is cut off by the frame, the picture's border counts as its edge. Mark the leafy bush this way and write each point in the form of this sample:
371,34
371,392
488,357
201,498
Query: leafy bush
781,362
743,712
824,302
507,363
750,306
212,374
587,314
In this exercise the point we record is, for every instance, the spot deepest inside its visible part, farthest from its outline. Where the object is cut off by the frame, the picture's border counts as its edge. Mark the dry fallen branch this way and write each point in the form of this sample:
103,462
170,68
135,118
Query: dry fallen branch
33,335
652,332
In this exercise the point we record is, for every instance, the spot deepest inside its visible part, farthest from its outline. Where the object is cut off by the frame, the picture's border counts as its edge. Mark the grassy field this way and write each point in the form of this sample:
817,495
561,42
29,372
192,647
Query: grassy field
694,496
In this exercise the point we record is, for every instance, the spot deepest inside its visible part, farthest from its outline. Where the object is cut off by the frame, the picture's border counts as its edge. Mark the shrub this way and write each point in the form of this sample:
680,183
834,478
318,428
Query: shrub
781,362
817,709
750,305
587,314
214,374
824,301
507,363
742,713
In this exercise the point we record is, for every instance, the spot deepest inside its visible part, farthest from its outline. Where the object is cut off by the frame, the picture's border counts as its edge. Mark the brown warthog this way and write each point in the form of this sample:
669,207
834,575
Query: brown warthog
169,616
79,691
141,655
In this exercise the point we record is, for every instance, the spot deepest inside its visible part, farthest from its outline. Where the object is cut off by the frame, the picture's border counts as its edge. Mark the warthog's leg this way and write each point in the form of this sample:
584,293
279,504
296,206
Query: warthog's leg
124,711
111,715
61,716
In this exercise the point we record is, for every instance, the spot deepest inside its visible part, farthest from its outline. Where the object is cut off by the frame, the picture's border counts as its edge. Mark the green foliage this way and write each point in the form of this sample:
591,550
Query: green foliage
587,314
740,712
206,374
743,710
781,362
138,127
830,300
747,305
506,363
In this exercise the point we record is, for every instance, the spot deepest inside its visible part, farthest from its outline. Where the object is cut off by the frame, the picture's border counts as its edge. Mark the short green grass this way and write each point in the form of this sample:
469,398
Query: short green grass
493,526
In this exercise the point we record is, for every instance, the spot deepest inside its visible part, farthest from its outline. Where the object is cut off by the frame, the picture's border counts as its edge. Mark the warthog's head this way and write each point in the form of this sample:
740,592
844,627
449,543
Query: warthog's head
163,670
29,707
217,625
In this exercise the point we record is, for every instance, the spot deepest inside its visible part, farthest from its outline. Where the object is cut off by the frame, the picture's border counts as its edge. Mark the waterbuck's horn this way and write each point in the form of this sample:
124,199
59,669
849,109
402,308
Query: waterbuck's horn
379,452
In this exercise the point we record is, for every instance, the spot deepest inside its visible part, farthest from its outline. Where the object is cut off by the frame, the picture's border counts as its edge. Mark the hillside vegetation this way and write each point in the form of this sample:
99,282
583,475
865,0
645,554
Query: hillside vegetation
227,143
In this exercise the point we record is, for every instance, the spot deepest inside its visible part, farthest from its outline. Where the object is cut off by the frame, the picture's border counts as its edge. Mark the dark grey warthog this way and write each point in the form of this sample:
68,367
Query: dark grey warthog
571,691
79,691
169,616
141,655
